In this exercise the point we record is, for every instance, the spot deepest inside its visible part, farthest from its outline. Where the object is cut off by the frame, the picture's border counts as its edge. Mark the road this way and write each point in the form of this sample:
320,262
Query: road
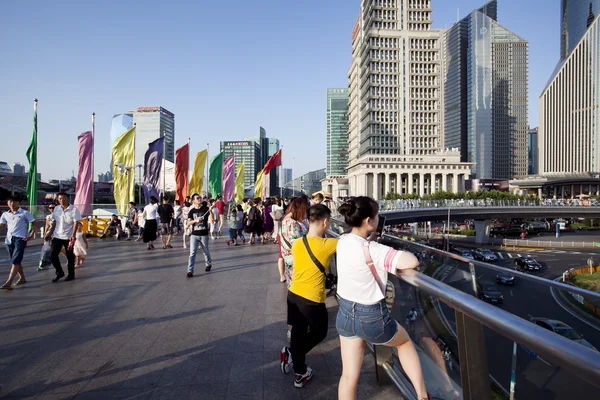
535,378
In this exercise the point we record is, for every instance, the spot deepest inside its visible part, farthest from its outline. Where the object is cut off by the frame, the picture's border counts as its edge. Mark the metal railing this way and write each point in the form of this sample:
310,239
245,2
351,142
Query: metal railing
399,205
472,315
548,243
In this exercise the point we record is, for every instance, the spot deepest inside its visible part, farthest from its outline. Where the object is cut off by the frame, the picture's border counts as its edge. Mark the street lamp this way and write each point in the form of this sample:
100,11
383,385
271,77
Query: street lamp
126,169
140,166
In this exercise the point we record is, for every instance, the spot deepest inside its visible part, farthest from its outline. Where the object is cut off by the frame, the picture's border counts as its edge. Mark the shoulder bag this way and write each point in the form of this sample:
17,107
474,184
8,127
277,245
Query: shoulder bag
389,291
330,279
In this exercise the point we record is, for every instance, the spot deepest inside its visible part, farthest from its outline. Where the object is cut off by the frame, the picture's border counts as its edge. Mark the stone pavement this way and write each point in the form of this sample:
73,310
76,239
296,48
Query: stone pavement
131,326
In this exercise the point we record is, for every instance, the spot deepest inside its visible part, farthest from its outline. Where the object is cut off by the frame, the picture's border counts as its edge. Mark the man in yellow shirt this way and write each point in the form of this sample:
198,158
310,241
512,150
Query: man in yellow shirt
306,299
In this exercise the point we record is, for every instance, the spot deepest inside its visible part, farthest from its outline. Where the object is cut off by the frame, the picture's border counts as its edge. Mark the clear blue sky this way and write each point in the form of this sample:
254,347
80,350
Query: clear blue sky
223,68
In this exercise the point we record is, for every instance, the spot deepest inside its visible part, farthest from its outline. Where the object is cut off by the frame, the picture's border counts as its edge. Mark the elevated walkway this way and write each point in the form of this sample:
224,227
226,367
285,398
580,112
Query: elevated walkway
131,326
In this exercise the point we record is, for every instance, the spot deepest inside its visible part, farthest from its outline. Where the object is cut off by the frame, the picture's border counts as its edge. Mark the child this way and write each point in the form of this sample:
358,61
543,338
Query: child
141,221
233,232
80,247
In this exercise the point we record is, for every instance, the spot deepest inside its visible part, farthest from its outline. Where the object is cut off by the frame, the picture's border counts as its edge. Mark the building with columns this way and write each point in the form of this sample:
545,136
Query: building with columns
395,112
379,175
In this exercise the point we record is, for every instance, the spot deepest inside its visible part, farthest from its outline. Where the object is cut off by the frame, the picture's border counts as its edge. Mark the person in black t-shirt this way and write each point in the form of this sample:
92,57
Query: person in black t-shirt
114,227
166,214
198,219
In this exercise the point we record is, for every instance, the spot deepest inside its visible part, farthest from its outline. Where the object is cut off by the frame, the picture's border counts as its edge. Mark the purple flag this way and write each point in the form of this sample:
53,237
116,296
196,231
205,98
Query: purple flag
83,189
228,179
152,165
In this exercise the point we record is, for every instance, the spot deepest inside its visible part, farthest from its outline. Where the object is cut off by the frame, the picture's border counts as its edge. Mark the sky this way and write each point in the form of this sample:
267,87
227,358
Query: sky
224,68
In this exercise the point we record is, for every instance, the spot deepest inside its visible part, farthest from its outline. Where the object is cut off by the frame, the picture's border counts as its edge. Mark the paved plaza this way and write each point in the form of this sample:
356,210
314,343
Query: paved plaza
131,326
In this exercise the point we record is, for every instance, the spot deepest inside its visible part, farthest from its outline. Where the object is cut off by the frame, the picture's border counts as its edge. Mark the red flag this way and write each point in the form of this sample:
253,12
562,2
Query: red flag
182,166
274,161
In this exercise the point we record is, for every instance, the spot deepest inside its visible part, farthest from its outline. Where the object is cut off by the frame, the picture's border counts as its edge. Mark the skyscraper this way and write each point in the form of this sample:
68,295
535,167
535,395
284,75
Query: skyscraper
395,114
247,151
575,18
150,124
18,169
287,175
268,147
337,132
569,124
532,151
485,94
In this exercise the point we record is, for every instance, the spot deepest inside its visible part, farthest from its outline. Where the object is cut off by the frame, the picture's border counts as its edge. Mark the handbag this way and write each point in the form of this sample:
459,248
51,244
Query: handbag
389,291
330,279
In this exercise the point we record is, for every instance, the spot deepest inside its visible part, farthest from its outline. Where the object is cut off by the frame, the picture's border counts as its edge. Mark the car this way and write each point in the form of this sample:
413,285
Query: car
464,253
505,279
562,329
527,263
488,292
485,255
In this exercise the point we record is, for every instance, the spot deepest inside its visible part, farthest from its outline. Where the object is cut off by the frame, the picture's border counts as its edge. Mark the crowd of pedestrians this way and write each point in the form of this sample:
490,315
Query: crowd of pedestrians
298,227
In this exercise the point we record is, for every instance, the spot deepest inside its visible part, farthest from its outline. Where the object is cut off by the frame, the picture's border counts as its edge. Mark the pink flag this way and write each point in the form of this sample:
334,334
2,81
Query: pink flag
228,179
83,191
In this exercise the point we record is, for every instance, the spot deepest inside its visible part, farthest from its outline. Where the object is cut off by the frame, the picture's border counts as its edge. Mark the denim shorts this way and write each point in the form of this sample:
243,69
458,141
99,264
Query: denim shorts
16,250
372,323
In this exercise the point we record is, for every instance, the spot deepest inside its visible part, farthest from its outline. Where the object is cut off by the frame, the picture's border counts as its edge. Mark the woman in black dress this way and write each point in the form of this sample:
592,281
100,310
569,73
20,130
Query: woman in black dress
151,226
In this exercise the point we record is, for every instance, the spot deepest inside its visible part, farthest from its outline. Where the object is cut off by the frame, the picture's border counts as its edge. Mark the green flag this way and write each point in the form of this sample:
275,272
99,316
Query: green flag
32,158
215,175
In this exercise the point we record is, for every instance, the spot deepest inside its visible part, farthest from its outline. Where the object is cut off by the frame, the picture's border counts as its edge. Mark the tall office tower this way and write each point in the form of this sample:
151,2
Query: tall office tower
18,169
247,151
287,175
532,151
395,113
569,123
268,147
337,132
150,124
485,94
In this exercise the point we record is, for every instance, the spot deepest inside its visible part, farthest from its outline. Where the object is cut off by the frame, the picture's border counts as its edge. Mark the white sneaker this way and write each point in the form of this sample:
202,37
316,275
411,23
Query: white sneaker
301,380
285,358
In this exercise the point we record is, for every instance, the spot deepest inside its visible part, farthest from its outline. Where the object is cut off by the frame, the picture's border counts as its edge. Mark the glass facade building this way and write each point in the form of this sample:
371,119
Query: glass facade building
150,124
575,18
532,151
337,132
486,93
247,151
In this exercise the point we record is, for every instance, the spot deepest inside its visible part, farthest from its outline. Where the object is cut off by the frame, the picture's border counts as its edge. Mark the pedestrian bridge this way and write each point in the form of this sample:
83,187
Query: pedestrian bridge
132,326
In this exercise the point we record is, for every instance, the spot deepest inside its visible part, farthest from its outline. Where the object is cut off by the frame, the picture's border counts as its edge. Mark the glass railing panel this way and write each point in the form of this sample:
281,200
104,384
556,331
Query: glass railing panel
501,284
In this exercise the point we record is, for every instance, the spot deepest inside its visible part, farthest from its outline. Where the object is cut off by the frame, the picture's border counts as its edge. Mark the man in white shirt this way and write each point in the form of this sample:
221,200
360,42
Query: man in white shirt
66,219
17,221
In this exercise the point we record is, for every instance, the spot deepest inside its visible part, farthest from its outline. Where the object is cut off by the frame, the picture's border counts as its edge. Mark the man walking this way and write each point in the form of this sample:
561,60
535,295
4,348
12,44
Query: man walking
63,232
166,214
17,221
221,207
131,219
198,219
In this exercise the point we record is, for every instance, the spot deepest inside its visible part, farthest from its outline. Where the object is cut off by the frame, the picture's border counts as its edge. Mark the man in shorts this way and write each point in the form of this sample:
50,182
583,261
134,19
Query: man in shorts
17,221
166,214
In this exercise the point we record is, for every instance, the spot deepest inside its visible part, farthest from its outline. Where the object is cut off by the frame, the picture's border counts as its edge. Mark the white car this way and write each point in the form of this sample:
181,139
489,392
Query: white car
485,255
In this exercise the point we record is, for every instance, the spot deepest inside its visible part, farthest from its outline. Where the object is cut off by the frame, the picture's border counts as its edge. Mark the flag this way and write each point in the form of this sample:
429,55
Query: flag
32,158
239,182
228,179
197,179
152,167
260,184
274,161
215,175
123,153
182,166
83,188
266,186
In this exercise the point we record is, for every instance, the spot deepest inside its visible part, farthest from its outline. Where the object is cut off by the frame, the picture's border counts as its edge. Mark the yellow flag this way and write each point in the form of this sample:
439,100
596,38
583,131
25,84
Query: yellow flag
198,174
239,182
260,184
123,155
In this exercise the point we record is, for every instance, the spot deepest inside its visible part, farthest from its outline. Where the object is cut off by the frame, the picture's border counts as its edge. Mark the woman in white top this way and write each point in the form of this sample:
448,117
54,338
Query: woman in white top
151,225
362,314
184,216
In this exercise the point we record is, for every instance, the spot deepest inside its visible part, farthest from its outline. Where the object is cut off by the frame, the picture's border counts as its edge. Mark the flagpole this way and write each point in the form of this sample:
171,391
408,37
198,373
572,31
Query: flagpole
293,181
280,175
187,174
206,171
164,160
93,147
